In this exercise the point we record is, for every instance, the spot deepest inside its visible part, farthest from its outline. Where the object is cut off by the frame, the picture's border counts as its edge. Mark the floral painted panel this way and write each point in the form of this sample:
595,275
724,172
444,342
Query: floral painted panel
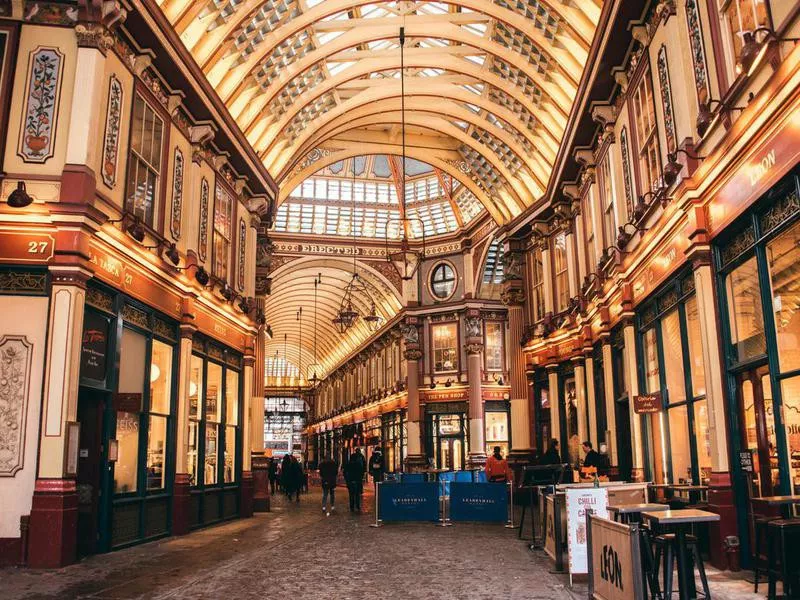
666,99
177,195
202,242
699,65
37,143
15,368
111,138
242,254
626,170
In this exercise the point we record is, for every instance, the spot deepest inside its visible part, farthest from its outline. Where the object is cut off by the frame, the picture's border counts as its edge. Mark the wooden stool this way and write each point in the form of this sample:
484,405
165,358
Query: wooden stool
779,534
665,545
759,528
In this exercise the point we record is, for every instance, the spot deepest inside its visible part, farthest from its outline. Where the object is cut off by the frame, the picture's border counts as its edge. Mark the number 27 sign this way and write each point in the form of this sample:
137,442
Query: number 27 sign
22,246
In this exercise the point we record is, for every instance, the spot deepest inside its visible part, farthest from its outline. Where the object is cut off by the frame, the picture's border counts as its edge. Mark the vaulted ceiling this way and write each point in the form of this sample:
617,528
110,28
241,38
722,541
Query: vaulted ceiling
489,83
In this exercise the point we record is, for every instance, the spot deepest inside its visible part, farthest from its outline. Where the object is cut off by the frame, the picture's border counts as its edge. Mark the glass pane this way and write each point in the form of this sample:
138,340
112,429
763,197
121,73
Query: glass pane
673,357
195,387
790,396
230,454
695,348
496,431
679,444
137,123
161,378
231,397
744,307
769,418
156,442
494,346
132,362
210,472
783,258
651,361
194,444
445,347
702,438
125,469
213,390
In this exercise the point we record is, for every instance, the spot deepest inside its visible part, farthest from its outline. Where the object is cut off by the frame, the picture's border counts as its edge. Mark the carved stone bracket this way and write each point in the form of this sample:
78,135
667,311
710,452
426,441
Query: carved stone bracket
474,348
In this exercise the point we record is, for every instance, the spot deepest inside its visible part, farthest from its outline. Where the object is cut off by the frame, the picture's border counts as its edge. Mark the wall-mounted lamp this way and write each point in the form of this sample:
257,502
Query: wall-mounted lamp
707,117
753,50
589,280
624,236
433,385
19,198
673,168
448,383
200,274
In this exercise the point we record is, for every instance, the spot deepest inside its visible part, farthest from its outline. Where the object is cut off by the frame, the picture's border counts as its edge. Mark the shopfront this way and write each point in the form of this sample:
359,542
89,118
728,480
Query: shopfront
394,436
497,423
757,262
126,419
541,410
215,417
446,435
672,377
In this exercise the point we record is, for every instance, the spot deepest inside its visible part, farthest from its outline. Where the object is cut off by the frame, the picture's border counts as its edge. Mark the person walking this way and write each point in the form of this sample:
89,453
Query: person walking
354,476
376,465
273,474
497,469
328,473
286,475
296,468
552,456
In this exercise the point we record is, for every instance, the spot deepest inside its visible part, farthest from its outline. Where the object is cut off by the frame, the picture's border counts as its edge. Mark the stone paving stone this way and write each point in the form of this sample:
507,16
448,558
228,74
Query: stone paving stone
297,552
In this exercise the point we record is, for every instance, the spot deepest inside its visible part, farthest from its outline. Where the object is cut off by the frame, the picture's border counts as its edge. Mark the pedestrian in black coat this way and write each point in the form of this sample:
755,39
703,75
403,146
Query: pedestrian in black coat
354,471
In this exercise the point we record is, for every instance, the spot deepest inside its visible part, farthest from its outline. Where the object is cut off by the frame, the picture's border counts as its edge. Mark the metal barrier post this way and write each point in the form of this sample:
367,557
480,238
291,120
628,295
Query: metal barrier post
444,521
377,522
510,524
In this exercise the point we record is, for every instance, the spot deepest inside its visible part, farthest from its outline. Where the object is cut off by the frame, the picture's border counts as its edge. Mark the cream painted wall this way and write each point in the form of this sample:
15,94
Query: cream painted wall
31,37
24,316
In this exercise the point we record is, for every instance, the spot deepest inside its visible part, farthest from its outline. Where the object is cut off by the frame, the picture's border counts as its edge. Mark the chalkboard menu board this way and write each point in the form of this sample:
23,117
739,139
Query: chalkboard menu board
94,346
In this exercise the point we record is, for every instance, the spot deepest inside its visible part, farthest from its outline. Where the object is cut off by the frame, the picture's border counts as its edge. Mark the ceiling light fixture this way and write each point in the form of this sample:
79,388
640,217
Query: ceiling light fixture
314,369
406,260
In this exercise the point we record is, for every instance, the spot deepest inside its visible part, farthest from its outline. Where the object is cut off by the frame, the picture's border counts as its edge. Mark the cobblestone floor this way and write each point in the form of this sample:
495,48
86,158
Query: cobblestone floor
297,552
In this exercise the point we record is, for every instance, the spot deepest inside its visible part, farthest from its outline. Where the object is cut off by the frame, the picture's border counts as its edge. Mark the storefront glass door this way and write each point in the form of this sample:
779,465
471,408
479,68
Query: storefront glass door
448,437
757,433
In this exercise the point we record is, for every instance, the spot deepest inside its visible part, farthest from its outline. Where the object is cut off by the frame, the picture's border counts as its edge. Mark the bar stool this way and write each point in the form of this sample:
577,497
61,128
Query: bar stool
779,534
649,562
665,546
760,530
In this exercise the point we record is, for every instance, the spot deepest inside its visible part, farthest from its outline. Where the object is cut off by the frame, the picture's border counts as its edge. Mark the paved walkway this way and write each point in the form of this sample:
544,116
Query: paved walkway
297,552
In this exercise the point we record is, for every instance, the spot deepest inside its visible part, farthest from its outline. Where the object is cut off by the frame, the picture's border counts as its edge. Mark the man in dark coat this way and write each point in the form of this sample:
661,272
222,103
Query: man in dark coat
552,456
376,465
354,476
273,475
328,473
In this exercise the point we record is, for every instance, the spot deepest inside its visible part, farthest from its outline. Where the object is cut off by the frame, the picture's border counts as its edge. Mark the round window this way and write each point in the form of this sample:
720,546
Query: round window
443,281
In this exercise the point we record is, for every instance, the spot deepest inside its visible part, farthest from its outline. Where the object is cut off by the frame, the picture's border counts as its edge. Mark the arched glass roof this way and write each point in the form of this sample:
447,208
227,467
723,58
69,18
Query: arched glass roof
363,193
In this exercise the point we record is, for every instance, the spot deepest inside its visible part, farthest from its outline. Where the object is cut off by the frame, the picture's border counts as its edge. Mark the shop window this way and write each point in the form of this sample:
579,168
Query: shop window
746,316
588,233
196,401
445,347
493,347
675,386
160,409
607,199
231,424
743,16
647,133
571,405
783,255
443,281
496,432
213,417
560,271
695,348
144,162
537,284
129,410
221,241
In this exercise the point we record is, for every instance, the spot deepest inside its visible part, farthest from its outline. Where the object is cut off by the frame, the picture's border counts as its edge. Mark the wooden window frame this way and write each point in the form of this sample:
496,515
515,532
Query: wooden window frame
606,188
457,348
537,283
557,273
227,277
9,59
501,324
644,79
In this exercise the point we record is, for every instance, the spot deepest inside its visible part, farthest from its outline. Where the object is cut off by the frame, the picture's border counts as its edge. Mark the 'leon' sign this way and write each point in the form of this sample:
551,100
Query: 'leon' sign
615,568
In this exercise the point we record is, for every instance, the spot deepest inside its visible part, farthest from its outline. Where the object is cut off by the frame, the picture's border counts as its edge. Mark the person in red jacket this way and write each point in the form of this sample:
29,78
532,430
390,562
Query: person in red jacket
497,469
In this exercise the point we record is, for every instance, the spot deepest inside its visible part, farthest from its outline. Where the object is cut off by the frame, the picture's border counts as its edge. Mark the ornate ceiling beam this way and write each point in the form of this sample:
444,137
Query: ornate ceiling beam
448,193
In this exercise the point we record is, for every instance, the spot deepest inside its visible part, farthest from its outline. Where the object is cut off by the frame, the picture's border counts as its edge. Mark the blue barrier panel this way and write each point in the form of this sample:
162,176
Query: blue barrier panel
412,477
480,477
486,502
409,502
463,476
447,477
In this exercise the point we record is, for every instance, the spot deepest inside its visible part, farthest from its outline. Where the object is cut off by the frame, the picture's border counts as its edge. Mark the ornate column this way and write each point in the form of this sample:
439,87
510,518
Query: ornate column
637,444
254,442
474,348
580,398
412,353
591,398
611,408
720,492
180,490
247,487
513,296
555,407
53,524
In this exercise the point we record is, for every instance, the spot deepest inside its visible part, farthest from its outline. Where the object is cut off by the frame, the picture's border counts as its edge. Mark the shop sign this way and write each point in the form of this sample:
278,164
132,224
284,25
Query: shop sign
22,247
213,326
94,346
494,394
129,402
611,572
447,395
484,502
579,500
550,528
746,461
647,403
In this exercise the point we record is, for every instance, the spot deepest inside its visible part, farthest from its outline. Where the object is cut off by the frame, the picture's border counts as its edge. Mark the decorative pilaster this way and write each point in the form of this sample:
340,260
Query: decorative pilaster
611,409
412,352
580,398
555,408
637,444
591,400
246,490
181,501
474,348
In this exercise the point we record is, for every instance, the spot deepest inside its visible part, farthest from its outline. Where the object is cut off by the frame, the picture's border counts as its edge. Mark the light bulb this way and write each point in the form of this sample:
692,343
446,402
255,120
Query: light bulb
155,372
